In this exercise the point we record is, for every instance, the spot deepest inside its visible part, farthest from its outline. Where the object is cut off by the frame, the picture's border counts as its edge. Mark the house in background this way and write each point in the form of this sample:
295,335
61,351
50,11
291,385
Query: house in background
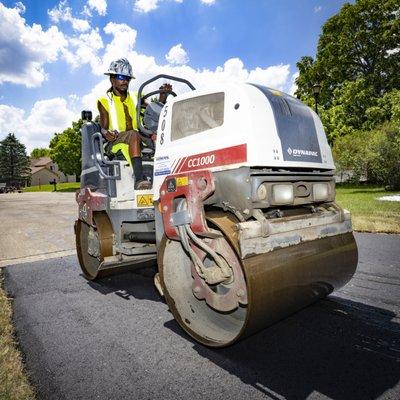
44,170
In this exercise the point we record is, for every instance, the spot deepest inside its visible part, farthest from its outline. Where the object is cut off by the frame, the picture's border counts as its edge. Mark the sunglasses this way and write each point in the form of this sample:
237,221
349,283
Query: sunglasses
122,77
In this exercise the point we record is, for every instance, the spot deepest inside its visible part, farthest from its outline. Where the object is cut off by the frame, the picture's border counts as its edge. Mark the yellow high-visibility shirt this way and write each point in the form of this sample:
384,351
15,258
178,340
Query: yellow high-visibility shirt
115,108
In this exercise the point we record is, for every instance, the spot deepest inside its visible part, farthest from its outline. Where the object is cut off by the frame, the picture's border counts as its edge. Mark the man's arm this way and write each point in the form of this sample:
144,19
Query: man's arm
105,123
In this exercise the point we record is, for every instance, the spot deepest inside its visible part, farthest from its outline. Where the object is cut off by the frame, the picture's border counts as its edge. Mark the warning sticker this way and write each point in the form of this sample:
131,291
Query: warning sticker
144,200
171,185
182,181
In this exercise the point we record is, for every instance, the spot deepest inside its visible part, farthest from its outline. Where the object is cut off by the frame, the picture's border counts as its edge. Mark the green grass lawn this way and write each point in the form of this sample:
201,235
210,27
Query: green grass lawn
61,187
369,214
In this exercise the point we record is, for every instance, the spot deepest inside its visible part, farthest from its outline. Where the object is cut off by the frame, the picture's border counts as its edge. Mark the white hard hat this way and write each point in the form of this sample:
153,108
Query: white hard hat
121,67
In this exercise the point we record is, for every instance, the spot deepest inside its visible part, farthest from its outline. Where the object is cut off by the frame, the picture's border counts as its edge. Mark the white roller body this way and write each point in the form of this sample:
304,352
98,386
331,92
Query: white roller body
249,121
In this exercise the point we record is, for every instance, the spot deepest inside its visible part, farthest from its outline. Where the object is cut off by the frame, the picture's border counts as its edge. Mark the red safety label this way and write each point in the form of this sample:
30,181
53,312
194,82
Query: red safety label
210,159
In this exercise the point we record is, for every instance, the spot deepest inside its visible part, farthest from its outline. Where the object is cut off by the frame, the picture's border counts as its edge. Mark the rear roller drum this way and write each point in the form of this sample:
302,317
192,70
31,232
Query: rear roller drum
261,290
93,244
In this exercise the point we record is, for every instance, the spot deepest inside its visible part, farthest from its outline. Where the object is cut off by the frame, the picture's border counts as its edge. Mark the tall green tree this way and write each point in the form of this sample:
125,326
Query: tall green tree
39,152
362,41
14,162
65,149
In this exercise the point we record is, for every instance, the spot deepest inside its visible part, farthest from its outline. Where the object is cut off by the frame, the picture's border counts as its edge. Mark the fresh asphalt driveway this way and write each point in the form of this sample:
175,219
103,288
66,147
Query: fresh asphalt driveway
115,339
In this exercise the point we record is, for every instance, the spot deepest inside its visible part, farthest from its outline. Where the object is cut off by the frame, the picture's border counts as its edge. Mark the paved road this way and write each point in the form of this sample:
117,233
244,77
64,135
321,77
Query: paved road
116,338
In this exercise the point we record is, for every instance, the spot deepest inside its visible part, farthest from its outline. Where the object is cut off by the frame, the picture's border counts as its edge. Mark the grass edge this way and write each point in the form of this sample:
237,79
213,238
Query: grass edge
14,382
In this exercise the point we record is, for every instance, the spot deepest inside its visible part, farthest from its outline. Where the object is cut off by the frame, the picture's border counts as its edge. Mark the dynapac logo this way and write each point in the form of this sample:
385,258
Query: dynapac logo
300,152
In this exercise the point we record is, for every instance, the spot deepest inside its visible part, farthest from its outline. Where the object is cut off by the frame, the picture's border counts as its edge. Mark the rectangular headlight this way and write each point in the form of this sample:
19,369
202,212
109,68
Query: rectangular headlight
320,191
282,194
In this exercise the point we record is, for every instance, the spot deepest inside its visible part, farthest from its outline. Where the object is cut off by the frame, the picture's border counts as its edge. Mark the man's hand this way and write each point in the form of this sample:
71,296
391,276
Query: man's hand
109,135
154,137
165,89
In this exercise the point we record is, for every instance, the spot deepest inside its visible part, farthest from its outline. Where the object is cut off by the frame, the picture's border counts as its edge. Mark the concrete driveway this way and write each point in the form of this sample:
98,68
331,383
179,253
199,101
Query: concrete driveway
36,226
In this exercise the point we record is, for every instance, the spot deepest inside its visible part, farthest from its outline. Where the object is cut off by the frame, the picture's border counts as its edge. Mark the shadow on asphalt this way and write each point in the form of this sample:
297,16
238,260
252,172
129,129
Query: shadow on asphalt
136,284
339,348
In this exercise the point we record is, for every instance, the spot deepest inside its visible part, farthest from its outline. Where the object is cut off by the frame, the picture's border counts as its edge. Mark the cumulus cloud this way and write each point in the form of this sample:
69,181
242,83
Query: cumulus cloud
20,6
37,128
275,76
25,49
145,6
177,55
293,86
99,5
232,70
63,12
84,49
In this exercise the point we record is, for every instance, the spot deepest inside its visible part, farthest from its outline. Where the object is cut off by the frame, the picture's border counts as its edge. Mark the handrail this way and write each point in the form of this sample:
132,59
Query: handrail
99,137
141,128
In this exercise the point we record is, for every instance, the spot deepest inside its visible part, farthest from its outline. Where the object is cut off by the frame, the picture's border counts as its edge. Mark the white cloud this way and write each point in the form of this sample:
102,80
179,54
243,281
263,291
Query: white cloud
317,9
48,116
20,7
99,5
122,43
64,13
293,86
275,76
37,128
145,6
177,55
83,49
233,70
25,49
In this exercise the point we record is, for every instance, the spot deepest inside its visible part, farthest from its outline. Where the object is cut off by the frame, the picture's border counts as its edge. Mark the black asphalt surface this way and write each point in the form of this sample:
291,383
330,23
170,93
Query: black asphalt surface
115,339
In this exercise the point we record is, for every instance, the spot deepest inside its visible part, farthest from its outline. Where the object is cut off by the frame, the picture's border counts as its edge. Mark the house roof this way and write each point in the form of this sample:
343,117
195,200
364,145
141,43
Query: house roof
41,162
36,169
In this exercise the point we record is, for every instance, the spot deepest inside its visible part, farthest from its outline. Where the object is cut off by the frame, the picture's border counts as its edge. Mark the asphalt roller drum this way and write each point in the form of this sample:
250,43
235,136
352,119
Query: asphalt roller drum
104,234
277,283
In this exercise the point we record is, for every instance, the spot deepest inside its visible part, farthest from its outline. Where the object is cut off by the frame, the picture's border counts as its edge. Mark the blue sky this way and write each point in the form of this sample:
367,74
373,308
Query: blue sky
53,53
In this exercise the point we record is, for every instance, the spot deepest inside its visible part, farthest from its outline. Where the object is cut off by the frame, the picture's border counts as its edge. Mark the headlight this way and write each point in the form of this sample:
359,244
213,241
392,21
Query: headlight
262,192
282,194
320,191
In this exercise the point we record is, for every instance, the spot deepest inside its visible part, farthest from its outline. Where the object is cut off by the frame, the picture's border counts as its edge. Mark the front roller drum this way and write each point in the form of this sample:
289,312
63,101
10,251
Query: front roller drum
277,284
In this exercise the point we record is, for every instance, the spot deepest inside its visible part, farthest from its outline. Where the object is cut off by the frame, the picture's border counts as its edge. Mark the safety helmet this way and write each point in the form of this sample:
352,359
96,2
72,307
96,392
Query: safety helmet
121,67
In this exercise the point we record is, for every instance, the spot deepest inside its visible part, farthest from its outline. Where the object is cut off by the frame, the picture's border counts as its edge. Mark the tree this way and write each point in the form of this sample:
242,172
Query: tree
14,163
360,42
39,152
348,111
386,167
65,149
373,152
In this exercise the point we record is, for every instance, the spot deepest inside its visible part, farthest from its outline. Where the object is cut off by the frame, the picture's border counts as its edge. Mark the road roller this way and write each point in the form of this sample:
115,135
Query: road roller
241,219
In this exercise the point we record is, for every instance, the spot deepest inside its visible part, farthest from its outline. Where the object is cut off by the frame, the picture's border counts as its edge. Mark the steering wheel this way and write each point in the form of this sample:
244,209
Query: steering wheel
144,131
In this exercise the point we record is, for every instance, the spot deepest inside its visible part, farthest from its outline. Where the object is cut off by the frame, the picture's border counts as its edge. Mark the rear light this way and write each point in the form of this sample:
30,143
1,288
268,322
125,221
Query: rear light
282,194
320,191
262,192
